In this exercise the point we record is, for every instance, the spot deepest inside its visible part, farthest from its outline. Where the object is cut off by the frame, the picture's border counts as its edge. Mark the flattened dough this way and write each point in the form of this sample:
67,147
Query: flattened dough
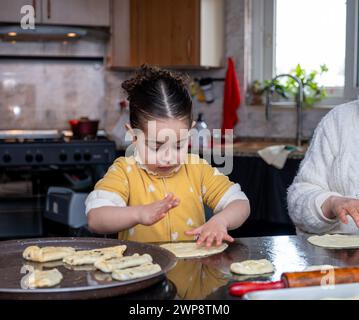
136,272
253,267
91,256
192,250
43,279
46,254
135,260
335,241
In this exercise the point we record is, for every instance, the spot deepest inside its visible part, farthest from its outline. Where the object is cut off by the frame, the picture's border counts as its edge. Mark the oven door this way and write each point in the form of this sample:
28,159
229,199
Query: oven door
20,210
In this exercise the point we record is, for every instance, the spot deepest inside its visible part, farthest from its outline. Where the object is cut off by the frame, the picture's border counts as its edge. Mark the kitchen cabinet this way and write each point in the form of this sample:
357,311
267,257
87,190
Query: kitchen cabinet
186,33
10,10
76,12
59,12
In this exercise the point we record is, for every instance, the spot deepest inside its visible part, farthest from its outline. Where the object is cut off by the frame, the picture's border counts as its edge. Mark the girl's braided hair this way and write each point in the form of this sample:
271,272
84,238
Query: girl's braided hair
155,93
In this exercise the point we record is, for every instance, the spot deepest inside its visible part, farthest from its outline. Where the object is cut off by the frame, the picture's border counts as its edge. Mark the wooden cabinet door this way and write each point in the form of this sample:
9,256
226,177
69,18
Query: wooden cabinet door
10,10
166,32
76,12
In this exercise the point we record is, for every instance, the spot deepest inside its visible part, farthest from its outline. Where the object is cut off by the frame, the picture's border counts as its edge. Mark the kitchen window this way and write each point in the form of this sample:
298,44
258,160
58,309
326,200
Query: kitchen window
311,33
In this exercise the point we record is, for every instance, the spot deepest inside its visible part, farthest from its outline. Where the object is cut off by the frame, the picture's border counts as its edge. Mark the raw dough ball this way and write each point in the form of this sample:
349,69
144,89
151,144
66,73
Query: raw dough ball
252,267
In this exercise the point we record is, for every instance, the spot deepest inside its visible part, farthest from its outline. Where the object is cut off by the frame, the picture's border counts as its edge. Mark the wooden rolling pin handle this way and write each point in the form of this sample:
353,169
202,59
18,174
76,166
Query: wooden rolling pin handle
241,288
318,278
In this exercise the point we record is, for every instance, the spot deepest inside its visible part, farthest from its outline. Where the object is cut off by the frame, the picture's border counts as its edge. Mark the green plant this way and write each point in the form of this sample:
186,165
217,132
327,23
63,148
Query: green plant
312,91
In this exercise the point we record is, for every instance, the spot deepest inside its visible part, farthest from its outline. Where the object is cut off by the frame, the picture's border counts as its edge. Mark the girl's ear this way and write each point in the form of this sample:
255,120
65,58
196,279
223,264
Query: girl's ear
129,128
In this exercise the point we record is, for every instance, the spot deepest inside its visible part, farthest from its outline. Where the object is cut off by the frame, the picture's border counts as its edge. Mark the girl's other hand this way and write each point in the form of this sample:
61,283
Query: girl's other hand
151,213
214,231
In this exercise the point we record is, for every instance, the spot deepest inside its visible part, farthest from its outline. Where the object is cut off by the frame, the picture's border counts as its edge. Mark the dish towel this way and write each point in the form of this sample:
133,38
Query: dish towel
277,155
232,97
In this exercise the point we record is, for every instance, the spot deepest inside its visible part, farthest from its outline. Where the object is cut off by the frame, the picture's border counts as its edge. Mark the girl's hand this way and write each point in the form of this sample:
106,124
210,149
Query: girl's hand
151,213
341,207
215,230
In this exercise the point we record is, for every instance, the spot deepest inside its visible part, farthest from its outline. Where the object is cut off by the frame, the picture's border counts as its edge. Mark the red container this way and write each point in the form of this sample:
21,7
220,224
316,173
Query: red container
84,128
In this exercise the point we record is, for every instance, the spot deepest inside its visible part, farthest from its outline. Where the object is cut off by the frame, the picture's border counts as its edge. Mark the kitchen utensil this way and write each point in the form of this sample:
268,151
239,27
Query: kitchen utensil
340,291
298,279
84,127
75,284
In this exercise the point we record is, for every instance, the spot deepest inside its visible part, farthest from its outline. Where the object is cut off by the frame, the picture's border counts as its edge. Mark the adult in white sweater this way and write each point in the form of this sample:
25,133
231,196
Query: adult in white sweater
324,196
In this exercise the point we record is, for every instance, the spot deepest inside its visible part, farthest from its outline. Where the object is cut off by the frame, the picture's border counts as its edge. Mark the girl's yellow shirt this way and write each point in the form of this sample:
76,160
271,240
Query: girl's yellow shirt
196,183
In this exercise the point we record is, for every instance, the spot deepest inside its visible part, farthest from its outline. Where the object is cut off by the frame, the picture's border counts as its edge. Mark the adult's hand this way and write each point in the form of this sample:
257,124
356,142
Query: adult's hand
341,207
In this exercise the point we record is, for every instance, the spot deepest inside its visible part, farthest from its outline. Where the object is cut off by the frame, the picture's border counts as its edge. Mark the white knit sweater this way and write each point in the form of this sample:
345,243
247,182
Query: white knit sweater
330,167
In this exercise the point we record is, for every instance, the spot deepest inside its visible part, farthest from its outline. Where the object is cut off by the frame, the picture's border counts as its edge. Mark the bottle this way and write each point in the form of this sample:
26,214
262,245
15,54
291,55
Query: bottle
206,85
204,136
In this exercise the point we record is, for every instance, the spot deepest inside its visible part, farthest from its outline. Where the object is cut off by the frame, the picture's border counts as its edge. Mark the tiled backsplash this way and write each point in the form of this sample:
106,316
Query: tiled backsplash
43,94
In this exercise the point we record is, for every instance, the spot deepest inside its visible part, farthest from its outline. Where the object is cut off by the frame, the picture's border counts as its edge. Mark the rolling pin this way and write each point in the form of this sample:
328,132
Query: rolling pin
299,279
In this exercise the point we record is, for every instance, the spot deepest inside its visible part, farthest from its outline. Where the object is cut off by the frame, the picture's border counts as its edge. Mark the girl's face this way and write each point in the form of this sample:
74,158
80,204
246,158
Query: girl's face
163,145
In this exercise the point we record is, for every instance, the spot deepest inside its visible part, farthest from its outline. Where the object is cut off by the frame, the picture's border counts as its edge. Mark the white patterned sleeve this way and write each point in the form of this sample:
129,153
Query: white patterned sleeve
233,193
102,198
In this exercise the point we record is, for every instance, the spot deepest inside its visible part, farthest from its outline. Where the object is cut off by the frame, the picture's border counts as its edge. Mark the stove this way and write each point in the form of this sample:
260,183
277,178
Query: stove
34,162
52,147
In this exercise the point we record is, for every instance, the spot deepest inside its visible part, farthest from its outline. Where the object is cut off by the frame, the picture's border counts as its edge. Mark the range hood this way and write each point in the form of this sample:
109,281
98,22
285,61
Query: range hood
50,33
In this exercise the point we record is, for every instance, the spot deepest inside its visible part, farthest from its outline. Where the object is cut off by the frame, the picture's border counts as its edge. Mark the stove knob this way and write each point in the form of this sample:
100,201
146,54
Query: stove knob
29,157
77,156
63,156
87,156
39,157
6,158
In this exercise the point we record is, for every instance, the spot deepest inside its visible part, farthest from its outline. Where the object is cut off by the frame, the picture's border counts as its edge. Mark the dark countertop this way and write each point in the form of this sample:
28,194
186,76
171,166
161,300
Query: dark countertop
249,147
208,278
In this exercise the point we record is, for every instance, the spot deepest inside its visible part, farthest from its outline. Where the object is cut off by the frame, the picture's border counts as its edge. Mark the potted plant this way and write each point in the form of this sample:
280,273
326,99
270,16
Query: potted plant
312,91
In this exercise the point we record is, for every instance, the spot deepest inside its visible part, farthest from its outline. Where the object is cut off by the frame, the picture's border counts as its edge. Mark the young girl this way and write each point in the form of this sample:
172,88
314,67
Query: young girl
158,193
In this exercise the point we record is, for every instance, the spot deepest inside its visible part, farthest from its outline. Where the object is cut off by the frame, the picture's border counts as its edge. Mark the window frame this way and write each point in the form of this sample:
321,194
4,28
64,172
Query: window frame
263,50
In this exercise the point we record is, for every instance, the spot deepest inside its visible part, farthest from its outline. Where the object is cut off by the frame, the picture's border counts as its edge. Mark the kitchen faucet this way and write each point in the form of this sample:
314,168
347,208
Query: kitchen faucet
299,104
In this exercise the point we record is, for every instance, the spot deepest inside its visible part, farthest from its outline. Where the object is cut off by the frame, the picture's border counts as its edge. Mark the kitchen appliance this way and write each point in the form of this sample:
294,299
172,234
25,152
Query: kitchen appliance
51,147
50,33
296,280
65,206
32,161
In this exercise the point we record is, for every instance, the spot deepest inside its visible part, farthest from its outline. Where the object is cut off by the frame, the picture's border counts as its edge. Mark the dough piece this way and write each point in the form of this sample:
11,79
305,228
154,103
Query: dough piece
192,250
135,260
335,241
91,256
102,277
262,266
136,272
46,254
85,267
43,279
323,267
